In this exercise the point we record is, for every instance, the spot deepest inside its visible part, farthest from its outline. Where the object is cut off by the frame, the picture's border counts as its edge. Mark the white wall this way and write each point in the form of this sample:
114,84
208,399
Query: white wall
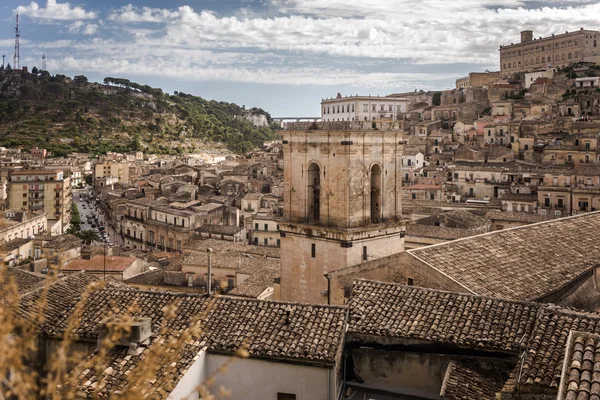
195,376
257,379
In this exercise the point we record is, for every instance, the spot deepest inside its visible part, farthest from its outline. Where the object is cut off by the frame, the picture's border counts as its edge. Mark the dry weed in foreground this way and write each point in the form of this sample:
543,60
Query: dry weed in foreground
19,345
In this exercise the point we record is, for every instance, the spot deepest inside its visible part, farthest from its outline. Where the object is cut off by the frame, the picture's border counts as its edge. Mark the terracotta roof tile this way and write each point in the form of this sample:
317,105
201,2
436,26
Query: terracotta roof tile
523,263
466,380
407,312
581,369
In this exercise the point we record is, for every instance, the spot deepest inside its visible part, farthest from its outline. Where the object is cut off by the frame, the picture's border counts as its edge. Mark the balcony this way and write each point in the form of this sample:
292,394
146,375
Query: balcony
132,218
166,225
135,239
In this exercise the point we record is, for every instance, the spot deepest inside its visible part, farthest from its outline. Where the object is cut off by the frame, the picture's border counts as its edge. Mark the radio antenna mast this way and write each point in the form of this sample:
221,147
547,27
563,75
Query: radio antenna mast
17,35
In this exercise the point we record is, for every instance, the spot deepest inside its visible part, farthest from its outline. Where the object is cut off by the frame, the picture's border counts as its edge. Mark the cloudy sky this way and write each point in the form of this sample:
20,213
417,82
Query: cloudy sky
282,55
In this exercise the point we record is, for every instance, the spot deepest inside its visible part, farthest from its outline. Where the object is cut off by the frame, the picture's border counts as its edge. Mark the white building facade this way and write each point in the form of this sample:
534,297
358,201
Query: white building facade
363,108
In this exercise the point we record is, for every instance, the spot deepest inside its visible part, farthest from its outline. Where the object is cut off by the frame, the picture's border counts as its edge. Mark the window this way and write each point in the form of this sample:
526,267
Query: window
256,241
374,107
24,194
256,226
413,196
547,202
561,203
286,396
278,242
587,145
313,253
365,108
266,227
364,255
266,241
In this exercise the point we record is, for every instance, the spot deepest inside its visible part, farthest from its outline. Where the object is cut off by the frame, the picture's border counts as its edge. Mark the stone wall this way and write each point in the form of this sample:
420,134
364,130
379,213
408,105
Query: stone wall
396,268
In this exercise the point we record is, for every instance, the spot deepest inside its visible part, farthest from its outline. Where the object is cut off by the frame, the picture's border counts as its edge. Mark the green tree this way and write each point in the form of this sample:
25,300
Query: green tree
80,80
34,70
88,236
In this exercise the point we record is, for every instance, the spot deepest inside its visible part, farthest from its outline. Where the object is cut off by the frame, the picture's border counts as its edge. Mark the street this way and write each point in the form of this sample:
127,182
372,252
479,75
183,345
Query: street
87,207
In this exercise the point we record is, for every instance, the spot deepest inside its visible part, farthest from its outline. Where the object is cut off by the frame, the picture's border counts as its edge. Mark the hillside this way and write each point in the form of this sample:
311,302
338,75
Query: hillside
64,115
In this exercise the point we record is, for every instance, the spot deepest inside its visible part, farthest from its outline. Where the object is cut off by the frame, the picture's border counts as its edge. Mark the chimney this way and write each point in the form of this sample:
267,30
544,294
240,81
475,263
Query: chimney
526,36
132,333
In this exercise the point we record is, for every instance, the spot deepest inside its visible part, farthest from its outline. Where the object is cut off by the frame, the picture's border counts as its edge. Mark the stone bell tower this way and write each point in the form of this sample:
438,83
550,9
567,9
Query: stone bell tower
342,204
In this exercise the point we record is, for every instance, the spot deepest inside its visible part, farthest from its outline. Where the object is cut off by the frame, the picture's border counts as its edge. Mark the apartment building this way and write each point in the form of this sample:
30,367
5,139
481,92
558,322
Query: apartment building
20,225
40,190
265,230
112,170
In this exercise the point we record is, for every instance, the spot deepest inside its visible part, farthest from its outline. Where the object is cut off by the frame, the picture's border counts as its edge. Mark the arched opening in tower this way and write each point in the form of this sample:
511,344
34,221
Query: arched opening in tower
314,193
375,194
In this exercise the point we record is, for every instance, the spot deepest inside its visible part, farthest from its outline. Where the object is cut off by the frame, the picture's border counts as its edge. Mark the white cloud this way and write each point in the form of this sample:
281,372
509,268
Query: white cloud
129,13
55,11
75,27
90,29
338,42
269,75
428,31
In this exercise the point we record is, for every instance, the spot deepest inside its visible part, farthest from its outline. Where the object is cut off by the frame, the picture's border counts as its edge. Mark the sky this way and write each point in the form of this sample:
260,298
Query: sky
281,55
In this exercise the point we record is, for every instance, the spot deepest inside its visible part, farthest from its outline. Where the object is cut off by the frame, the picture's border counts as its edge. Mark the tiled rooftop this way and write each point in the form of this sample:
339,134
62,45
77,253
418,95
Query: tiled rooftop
581,372
23,280
524,263
469,381
302,333
407,312
516,217
438,232
61,298
97,263
543,362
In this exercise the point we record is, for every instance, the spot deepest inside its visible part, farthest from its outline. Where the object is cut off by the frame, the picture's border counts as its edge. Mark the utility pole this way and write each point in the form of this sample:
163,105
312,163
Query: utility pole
104,261
3,61
209,274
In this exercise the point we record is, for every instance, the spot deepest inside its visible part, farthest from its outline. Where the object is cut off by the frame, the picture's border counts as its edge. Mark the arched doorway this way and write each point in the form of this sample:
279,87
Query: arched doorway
375,194
314,193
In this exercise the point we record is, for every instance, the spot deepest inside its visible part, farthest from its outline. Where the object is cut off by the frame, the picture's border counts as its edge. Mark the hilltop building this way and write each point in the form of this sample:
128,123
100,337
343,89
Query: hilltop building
363,108
557,51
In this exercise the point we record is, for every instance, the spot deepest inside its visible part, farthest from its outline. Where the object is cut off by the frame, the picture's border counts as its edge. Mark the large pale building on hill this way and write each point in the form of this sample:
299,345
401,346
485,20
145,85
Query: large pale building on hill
363,108
342,205
556,51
